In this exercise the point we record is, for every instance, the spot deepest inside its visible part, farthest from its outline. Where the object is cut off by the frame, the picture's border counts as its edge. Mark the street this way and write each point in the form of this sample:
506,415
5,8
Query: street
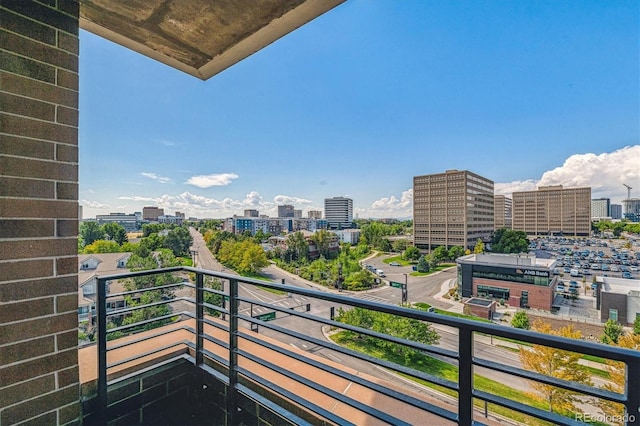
420,289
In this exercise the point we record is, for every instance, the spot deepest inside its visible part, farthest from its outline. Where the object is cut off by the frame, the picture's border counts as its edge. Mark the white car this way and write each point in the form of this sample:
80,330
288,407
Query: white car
633,268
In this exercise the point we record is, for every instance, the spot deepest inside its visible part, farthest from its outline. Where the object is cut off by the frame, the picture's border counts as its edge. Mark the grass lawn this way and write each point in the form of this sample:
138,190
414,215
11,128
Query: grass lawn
438,368
436,269
400,260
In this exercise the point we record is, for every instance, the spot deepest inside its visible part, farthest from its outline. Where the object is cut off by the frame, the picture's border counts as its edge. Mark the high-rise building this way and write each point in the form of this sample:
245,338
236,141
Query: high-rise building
502,212
152,213
285,211
314,214
600,208
454,208
251,213
553,210
338,211
632,209
615,211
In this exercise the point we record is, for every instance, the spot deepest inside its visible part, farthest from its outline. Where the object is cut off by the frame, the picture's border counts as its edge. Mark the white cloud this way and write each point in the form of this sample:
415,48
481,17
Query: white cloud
515,186
390,206
95,205
286,199
604,173
207,181
156,177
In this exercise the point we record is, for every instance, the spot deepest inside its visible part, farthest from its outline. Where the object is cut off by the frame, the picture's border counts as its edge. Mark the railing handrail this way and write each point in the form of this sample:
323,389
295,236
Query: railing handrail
466,329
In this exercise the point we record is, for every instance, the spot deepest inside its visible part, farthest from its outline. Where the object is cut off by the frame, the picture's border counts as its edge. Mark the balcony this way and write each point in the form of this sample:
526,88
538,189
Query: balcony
230,356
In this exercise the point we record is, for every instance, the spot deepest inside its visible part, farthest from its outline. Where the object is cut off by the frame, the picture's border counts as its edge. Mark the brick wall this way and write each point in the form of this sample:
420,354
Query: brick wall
540,297
38,211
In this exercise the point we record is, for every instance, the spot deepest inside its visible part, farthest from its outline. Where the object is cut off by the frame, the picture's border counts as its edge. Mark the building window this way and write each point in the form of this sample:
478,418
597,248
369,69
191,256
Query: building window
613,314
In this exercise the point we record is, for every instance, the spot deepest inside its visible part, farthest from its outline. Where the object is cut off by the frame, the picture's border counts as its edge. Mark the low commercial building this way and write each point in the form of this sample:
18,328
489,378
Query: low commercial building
519,280
618,299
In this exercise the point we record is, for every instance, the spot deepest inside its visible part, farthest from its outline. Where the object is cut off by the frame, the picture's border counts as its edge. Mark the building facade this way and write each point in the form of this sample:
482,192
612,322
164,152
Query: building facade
314,214
251,213
129,222
286,211
600,208
632,209
338,211
502,212
518,280
616,211
454,208
553,210
151,213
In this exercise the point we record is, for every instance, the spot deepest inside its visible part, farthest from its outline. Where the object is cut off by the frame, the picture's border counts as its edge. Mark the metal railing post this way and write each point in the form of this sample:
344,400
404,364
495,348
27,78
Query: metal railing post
102,349
632,407
232,393
465,376
199,318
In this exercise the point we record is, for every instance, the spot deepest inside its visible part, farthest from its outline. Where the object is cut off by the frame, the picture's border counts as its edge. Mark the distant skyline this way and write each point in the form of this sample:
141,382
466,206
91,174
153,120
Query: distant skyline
362,99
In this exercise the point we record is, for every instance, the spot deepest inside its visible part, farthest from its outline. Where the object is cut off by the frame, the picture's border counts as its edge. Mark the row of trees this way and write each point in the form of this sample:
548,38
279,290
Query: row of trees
112,238
616,228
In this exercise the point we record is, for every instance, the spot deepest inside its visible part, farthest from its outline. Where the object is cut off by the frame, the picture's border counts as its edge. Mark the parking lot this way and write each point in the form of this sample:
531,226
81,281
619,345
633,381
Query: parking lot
580,259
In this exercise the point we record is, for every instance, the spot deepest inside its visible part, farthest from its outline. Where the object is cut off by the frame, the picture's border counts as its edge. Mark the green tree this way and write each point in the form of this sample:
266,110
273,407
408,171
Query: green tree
102,246
520,320
322,239
297,246
479,247
90,231
178,240
393,325
456,252
385,245
509,241
115,232
399,246
556,363
636,326
439,255
152,228
245,257
612,331
412,253
423,265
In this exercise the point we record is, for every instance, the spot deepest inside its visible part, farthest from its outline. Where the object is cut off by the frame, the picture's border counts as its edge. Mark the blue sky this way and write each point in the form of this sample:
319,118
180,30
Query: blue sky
362,99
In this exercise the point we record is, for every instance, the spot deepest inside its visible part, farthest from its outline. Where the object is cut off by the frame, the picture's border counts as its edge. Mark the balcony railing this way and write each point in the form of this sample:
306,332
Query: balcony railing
228,343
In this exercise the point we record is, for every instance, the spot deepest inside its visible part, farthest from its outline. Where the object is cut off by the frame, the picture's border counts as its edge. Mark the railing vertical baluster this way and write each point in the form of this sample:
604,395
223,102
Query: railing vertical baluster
232,395
632,407
102,349
199,318
465,376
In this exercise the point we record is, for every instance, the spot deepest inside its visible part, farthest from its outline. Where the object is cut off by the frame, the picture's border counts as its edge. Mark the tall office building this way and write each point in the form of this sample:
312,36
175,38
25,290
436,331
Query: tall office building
338,211
285,211
615,211
502,212
152,213
553,210
251,213
632,209
314,214
454,208
600,208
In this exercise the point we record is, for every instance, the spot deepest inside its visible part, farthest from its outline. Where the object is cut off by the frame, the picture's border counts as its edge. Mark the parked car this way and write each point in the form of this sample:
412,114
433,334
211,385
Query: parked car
394,264
627,275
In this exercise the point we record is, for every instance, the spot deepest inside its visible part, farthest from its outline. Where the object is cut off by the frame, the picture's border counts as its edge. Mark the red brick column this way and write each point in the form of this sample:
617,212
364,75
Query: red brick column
39,211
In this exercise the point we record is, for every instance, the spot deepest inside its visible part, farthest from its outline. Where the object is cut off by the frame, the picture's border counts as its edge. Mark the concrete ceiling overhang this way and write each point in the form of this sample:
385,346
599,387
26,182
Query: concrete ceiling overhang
199,37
